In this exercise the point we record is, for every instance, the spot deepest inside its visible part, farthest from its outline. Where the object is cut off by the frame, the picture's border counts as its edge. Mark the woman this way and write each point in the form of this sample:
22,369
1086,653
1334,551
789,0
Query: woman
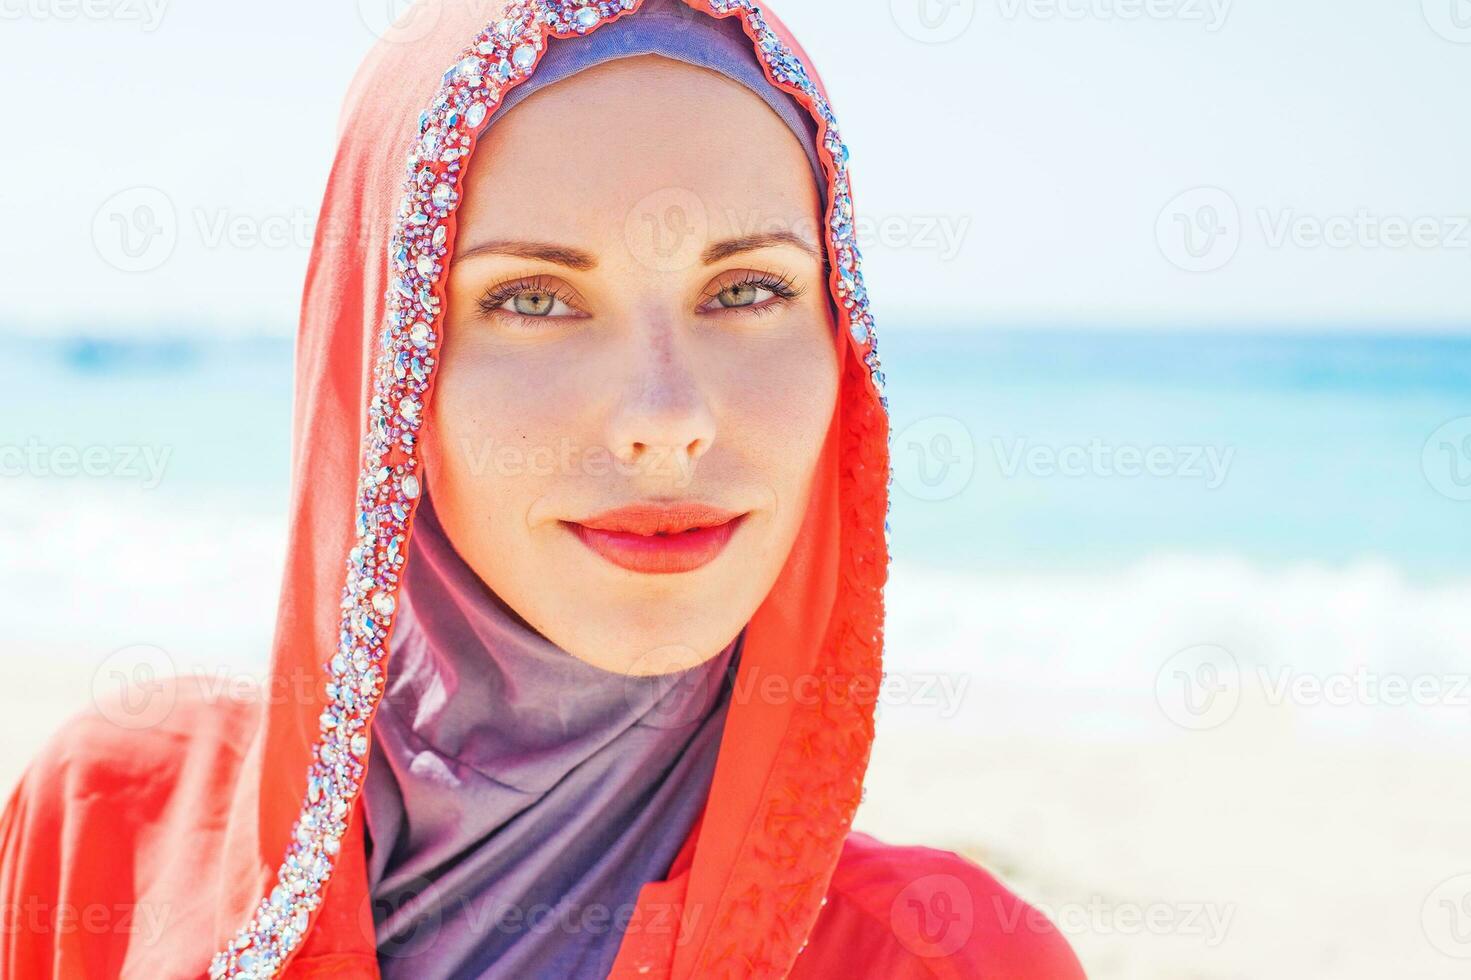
589,403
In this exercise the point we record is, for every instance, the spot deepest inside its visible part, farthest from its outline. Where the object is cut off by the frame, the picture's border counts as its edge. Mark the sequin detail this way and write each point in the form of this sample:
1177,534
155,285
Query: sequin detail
500,57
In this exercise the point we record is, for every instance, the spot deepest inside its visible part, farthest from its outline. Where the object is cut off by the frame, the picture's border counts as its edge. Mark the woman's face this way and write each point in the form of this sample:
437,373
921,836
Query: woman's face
637,316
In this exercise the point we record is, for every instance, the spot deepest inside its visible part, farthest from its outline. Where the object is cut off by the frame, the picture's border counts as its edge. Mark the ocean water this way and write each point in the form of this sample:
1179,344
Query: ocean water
1073,512
1278,449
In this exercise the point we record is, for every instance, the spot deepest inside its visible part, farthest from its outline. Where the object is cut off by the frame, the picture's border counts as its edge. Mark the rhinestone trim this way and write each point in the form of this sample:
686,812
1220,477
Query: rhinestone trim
501,56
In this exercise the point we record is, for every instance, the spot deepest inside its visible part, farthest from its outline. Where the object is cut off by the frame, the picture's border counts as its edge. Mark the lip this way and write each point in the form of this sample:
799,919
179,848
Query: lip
659,538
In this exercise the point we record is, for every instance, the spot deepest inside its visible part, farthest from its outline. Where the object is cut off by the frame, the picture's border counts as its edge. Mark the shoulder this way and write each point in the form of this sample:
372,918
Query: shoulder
93,838
921,912
126,757
136,740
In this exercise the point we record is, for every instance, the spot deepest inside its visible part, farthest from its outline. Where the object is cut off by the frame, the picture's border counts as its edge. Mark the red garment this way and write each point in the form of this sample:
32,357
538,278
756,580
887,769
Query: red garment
227,834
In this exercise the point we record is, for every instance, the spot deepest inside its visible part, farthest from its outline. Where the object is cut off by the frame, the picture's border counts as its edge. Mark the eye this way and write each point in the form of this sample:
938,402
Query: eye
742,294
530,298
749,291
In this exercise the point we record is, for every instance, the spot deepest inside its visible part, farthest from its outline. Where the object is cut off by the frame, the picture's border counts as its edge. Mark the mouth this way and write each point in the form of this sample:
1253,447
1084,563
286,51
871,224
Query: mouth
658,539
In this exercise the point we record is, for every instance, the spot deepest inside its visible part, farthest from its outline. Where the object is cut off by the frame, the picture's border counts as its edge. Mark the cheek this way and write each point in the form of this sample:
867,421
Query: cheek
495,423
779,406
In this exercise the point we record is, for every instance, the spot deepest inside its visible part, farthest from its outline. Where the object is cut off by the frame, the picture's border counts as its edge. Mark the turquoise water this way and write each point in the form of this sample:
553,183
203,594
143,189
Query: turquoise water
1323,437
1318,440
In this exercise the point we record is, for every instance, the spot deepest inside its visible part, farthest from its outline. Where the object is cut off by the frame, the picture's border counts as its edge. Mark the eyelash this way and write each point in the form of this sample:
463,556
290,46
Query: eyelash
495,298
782,286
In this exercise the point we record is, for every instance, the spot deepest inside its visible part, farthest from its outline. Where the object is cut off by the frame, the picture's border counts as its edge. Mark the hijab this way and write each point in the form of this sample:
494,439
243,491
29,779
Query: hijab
518,798
276,881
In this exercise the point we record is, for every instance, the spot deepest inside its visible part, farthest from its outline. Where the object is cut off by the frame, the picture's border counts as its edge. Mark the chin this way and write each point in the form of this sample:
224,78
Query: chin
646,624
645,644
641,661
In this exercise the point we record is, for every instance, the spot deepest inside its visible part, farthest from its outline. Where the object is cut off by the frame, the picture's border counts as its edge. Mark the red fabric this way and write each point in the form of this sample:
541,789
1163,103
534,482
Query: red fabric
184,823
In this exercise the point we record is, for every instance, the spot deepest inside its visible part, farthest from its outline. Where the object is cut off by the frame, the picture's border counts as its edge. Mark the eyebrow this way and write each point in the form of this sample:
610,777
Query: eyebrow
750,243
575,258
572,258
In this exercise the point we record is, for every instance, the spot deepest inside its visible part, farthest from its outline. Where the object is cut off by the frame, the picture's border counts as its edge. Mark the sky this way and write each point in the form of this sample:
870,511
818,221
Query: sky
1228,164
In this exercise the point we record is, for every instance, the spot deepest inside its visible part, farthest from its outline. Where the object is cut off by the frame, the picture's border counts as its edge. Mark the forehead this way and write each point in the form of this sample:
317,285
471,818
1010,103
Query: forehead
636,140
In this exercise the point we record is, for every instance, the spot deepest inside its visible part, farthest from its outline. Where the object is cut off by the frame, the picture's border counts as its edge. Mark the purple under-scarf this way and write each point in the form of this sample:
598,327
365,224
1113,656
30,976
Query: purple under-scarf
517,799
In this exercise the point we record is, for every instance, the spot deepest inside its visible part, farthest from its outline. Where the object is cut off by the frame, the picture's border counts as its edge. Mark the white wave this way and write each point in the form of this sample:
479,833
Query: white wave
90,568
1313,649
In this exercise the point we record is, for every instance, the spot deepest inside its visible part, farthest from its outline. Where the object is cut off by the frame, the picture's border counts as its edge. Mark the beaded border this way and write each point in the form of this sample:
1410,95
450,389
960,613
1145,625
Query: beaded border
502,55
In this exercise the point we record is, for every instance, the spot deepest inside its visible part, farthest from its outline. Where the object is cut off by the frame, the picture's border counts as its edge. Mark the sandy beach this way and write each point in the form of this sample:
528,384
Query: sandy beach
1238,857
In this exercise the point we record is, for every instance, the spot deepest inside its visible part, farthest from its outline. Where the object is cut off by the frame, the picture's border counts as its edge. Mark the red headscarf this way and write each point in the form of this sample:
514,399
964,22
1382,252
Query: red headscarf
788,780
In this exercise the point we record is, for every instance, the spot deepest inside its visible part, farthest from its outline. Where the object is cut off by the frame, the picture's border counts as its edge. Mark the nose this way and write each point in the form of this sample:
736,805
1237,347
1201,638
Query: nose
663,419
